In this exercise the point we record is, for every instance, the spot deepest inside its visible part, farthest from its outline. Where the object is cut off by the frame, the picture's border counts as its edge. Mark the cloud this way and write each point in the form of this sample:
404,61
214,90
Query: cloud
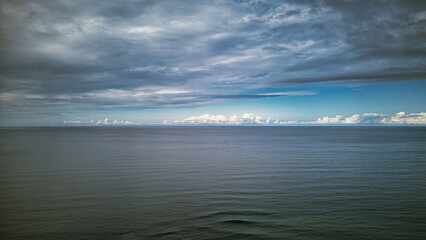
209,119
387,75
206,119
366,118
374,119
141,54
105,121
142,97
72,122
400,118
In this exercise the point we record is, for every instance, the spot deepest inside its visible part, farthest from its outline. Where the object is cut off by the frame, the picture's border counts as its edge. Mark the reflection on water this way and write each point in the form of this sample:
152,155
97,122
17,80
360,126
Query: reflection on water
213,183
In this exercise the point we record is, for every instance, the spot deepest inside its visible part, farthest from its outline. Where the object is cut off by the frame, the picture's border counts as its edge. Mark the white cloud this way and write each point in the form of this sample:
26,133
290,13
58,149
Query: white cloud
122,122
374,118
278,122
209,119
143,30
105,121
329,120
366,118
72,122
244,119
400,118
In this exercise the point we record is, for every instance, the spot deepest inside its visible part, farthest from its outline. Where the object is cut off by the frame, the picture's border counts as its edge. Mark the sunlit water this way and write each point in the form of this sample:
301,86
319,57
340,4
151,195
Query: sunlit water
213,183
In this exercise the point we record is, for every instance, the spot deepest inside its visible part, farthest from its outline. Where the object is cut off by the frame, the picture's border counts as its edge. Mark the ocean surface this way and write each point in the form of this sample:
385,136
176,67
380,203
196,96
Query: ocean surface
213,183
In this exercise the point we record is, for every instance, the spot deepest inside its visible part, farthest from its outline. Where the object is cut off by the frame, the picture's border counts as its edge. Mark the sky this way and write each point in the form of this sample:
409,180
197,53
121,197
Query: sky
212,62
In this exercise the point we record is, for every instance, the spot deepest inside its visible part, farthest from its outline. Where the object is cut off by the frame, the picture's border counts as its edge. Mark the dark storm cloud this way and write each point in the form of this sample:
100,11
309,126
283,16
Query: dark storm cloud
124,54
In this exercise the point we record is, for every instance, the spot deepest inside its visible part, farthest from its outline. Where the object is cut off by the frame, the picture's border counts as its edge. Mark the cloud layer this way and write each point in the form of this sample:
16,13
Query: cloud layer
103,122
135,54
375,118
207,119
400,118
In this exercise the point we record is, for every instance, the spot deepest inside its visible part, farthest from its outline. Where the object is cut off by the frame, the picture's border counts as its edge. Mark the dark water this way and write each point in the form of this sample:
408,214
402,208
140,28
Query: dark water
213,183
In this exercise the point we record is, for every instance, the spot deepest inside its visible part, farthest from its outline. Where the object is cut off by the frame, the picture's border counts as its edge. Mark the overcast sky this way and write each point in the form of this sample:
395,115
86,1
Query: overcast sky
148,61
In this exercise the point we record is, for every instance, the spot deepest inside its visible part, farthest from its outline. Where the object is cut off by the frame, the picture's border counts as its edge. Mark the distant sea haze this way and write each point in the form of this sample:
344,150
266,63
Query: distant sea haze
213,183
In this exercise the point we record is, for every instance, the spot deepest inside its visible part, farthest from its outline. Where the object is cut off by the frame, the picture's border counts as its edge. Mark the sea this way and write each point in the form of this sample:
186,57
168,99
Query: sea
213,183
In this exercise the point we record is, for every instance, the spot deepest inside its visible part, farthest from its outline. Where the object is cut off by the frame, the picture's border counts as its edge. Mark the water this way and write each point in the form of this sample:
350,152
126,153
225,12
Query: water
213,183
